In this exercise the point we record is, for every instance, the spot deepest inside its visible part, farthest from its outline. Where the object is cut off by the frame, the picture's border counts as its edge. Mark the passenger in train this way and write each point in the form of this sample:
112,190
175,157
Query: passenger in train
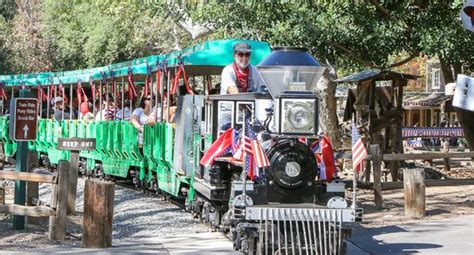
61,109
124,112
85,111
108,109
142,116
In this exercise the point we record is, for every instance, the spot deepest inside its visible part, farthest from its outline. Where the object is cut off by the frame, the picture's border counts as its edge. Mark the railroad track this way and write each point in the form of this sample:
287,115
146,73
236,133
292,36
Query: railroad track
130,185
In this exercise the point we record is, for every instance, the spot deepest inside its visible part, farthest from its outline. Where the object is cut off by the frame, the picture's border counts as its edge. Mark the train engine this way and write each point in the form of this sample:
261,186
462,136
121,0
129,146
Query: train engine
284,207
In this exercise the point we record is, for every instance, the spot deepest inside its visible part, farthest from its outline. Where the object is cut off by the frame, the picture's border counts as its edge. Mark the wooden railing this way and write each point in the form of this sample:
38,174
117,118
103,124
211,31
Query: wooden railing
376,158
57,209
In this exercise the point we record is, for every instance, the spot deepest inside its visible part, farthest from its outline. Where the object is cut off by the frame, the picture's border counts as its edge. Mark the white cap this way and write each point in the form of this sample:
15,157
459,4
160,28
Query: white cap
56,100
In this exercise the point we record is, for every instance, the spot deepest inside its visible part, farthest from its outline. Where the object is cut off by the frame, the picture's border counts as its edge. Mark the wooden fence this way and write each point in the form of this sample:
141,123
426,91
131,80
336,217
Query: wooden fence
58,206
376,158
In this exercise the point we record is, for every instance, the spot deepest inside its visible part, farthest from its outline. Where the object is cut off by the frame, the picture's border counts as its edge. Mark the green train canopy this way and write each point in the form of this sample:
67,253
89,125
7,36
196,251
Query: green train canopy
208,58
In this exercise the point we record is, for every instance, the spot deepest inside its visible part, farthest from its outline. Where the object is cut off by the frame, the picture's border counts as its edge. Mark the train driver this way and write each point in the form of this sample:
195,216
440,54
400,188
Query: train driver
240,76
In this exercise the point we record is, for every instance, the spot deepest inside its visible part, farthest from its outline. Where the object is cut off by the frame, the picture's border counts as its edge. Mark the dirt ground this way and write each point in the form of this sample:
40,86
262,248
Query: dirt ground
442,203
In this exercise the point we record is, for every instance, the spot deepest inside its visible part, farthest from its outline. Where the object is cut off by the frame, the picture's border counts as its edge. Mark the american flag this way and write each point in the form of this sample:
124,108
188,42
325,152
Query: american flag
358,149
235,148
255,156
219,147
322,150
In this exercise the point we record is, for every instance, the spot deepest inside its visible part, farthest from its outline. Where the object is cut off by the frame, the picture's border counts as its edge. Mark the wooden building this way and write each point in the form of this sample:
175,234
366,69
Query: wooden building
375,104
428,110
433,106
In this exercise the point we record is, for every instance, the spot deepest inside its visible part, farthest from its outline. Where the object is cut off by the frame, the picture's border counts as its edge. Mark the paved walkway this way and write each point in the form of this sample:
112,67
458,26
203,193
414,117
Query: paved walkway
199,244
455,236
452,237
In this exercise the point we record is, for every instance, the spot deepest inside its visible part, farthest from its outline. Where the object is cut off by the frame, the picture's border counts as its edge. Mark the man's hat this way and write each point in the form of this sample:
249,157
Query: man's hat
242,47
56,100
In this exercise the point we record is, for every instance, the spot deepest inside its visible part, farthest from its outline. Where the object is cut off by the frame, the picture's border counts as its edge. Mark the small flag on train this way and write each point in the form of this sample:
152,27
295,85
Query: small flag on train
217,148
322,149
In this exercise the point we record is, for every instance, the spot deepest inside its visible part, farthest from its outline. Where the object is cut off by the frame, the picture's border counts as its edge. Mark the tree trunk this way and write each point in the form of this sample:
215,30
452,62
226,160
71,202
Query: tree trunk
447,73
457,69
328,122
465,119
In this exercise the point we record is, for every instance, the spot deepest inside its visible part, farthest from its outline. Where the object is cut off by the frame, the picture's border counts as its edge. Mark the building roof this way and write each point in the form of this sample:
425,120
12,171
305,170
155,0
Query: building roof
376,74
425,100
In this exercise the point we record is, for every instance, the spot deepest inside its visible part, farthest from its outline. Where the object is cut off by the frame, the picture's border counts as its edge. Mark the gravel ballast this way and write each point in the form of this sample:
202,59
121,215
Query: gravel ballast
136,216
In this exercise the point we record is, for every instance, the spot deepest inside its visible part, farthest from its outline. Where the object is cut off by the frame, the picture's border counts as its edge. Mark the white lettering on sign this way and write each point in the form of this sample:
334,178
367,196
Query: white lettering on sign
76,144
24,119
70,143
25,130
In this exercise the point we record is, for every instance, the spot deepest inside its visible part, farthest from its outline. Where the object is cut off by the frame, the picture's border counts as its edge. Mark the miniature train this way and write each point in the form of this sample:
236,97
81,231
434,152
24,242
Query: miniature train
281,208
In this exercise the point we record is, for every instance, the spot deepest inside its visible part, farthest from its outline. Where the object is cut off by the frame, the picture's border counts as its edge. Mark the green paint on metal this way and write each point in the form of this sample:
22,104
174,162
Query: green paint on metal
217,53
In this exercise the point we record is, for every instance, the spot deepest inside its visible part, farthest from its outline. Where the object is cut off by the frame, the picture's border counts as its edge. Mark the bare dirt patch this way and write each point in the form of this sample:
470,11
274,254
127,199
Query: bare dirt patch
441,203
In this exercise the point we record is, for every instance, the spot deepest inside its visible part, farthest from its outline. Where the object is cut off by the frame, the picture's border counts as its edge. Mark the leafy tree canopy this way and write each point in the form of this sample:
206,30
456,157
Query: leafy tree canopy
93,33
350,34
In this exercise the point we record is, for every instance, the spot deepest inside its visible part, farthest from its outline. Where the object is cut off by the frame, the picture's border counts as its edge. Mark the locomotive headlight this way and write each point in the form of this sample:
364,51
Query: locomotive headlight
298,116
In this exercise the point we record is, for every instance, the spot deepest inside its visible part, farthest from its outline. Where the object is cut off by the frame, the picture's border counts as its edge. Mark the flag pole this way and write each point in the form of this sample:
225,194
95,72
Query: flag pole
354,177
354,189
244,169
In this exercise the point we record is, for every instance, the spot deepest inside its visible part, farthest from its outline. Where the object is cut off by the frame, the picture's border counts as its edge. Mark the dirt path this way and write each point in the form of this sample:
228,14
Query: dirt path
442,203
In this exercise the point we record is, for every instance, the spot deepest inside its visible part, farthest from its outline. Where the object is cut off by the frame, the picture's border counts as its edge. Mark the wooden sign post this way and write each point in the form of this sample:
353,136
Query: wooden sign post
75,145
23,123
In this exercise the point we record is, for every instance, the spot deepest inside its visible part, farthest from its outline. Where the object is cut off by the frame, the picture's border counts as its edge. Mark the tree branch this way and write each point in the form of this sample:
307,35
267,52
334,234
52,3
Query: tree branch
380,7
185,22
414,55
353,55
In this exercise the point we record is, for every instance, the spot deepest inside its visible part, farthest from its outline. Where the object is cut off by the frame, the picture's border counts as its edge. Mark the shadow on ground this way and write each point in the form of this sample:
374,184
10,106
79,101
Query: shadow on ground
368,239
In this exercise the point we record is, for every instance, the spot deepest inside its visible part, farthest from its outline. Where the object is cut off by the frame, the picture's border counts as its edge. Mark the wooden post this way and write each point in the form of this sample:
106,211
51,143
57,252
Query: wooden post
32,187
72,188
2,196
376,154
414,187
57,222
367,171
98,214
445,145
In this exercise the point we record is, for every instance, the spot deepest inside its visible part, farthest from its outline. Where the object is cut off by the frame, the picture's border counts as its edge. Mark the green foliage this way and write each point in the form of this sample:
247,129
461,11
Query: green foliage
4,32
350,34
7,9
94,33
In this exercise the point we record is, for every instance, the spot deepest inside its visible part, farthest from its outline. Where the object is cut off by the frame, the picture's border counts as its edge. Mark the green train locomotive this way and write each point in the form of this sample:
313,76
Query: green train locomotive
285,210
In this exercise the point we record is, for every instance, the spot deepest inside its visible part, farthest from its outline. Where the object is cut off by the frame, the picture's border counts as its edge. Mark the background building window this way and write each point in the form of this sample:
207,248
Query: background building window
435,78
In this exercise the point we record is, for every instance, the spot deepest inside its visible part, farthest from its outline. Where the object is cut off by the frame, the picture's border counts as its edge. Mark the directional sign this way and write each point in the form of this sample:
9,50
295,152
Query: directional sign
76,144
464,93
24,119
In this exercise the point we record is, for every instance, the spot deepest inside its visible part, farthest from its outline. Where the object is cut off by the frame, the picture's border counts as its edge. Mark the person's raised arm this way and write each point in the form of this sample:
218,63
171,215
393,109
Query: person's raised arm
136,123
